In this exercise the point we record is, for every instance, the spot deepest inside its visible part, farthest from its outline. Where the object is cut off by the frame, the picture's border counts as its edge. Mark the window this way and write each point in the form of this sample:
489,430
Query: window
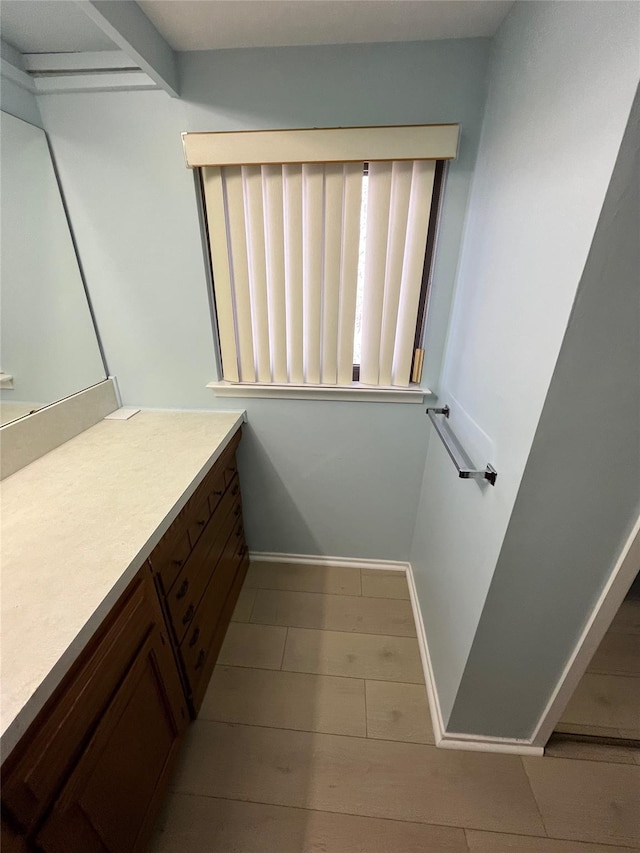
318,241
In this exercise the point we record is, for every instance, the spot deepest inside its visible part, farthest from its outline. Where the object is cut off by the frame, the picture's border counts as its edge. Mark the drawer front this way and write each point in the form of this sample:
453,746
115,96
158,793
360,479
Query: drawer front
171,553
198,522
217,480
230,470
31,778
194,649
216,489
201,682
168,558
185,595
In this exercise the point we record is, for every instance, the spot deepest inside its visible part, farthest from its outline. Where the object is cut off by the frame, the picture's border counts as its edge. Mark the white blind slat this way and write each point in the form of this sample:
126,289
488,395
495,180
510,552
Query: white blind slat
216,221
415,245
274,239
333,186
379,195
292,176
236,235
256,253
312,236
352,200
285,249
398,213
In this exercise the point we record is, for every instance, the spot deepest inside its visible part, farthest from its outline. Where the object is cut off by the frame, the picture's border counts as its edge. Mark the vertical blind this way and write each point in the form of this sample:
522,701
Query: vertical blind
291,262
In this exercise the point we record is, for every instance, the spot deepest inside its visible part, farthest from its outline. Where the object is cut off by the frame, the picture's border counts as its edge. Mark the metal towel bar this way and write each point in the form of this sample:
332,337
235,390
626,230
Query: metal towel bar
455,450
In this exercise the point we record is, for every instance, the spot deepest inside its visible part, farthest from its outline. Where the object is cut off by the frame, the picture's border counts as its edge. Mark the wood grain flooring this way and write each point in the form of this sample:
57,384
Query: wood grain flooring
334,612
353,655
232,825
585,800
606,702
287,700
381,584
315,737
398,712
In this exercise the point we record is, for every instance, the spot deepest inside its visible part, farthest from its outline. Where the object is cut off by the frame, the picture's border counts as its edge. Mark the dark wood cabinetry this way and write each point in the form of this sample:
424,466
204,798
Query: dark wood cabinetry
110,799
90,769
199,567
90,772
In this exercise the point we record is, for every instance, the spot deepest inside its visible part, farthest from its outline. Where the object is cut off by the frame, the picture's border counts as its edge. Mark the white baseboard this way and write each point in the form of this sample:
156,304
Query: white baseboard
432,690
443,739
473,743
316,560
604,610
455,740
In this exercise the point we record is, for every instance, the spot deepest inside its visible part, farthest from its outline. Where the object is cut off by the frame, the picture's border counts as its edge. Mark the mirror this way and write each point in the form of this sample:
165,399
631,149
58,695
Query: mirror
48,344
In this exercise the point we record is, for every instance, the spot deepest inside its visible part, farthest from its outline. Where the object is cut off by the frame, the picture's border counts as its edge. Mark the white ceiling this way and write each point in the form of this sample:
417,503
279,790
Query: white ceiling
57,26
215,24
49,26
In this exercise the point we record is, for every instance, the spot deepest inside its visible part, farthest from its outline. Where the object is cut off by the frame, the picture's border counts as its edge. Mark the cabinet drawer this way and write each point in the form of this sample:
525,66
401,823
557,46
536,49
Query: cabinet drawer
32,775
216,489
197,641
200,684
168,558
218,479
198,521
230,470
173,549
185,595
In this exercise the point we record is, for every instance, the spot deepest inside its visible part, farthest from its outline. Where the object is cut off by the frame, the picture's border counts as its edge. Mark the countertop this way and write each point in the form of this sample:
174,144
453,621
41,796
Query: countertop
77,524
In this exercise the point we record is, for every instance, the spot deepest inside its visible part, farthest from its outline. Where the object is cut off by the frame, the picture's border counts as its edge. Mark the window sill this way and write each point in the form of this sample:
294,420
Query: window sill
351,393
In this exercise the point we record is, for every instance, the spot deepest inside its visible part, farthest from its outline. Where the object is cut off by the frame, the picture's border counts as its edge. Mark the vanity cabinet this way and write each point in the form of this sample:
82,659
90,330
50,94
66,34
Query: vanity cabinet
90,771
199,567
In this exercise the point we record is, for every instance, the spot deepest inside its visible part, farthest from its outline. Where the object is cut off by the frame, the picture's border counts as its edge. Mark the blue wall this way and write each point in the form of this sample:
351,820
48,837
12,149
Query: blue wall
561,85
580,494
318,477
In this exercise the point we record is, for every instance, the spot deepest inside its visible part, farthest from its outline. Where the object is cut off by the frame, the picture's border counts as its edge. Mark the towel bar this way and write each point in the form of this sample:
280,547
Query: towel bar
460,457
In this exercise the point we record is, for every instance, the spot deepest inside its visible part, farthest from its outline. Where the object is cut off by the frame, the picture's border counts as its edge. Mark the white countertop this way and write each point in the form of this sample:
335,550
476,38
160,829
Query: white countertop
77,524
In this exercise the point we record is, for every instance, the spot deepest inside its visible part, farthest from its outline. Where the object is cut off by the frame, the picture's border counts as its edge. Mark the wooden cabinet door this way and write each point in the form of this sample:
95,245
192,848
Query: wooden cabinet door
110,800
34,773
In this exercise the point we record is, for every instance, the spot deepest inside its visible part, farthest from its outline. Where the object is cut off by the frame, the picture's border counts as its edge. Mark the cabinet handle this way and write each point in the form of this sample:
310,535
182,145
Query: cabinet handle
183,590
200,658
235,489
194,638
177,563
188,616
239,530
201,522
218,493
238,510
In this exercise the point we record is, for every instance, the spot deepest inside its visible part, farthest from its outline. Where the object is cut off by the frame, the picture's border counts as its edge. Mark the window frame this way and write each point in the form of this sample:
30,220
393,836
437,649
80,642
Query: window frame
204,146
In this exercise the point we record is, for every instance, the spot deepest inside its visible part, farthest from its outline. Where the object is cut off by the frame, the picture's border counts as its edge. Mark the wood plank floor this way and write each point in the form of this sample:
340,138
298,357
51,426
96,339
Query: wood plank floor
606,702
315,737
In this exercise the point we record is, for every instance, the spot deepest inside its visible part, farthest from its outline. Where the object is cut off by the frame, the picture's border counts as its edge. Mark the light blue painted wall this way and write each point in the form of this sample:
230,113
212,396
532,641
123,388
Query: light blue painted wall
337,479
319,477
561,84
580,494
18,102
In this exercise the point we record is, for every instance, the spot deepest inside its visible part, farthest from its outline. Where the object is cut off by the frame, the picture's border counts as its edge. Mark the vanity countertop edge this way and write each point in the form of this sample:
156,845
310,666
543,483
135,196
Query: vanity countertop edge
77,524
